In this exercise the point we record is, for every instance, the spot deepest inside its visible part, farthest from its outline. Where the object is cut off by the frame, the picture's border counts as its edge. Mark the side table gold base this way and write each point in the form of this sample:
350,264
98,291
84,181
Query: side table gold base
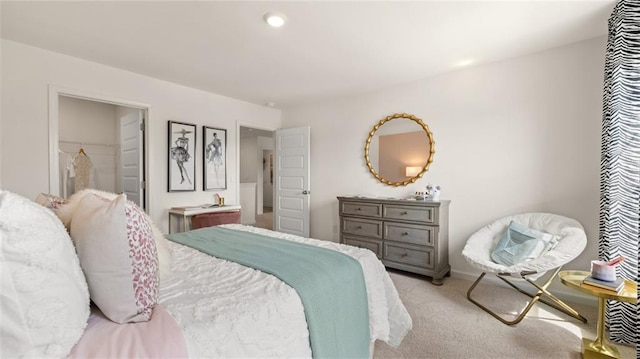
592,349
600,347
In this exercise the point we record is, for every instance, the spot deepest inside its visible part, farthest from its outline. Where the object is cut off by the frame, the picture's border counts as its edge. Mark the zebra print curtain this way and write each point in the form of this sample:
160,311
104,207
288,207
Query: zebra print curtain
620,161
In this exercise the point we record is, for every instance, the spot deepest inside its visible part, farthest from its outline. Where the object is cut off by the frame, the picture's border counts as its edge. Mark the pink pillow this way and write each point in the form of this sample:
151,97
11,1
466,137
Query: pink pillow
117,252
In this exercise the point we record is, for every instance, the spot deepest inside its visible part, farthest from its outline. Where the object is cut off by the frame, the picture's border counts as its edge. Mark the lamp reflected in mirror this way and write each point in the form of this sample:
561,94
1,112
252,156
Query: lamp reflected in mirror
412,171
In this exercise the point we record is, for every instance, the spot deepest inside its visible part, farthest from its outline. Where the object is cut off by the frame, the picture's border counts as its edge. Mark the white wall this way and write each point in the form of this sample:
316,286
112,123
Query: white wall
28,71
249,159
89,121
513,136
264,143
248,202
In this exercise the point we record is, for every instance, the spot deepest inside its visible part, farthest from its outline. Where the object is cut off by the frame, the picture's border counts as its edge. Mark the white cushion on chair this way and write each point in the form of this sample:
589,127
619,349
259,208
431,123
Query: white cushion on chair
572,242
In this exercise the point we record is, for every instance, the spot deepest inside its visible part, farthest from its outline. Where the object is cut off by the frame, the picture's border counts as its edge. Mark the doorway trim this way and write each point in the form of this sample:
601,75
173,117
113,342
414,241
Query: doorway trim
259,126
54,96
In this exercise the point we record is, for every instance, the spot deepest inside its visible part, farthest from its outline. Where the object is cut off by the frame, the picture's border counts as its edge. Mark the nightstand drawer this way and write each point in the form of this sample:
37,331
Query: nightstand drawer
415,234
361,209
362,227
419,257
372,245
410,213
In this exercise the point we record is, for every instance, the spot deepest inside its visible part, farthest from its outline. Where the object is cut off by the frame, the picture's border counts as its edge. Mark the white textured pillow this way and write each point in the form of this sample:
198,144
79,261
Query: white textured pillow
65,212
45,301
117,252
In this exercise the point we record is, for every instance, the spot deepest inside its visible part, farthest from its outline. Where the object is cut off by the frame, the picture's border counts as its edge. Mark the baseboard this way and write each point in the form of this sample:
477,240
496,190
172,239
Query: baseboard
565,295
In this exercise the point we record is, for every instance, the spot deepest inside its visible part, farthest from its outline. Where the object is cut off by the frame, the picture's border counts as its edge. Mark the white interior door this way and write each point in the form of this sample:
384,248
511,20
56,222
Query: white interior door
131,163
292,181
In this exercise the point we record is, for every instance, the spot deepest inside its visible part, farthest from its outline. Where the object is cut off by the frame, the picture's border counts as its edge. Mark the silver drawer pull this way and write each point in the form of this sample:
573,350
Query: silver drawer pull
405,233
403,213
405,255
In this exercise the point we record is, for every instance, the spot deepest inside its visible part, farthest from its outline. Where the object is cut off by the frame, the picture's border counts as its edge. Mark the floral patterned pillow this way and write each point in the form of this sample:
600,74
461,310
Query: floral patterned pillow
50,201
114,241
144,259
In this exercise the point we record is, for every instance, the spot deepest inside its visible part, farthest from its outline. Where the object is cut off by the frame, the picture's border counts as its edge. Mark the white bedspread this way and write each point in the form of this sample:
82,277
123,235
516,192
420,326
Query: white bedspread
228,310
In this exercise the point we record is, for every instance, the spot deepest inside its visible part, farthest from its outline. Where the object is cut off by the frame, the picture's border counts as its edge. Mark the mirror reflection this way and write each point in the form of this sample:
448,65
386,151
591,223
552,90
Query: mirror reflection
399,149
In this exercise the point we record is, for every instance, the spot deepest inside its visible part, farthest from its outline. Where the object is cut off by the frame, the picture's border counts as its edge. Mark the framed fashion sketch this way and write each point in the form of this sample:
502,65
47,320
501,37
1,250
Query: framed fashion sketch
215,158
182,159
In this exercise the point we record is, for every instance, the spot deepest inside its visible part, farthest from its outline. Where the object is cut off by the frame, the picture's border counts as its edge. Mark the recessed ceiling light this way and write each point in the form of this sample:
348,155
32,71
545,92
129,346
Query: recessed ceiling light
275,19
464,63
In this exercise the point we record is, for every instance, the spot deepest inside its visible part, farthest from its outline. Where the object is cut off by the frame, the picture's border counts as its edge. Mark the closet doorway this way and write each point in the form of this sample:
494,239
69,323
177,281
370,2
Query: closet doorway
100,144
256,176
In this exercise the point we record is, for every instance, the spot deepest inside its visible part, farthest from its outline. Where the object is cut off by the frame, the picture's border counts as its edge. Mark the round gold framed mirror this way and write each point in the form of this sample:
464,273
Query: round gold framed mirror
399,149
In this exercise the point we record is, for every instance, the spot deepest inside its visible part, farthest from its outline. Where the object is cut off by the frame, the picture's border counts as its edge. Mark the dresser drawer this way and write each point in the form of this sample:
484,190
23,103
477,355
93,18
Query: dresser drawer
407,235
410,233
362,227
410,213
372,245
415,256
362,209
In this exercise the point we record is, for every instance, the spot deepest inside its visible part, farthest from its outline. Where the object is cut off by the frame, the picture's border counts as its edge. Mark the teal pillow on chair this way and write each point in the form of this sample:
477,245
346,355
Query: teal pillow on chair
521,243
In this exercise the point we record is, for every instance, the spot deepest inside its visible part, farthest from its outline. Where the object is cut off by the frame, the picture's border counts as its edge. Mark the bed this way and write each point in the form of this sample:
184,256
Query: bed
211,307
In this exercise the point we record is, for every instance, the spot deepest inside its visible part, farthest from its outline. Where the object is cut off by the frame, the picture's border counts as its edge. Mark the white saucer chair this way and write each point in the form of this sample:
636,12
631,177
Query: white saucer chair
572,241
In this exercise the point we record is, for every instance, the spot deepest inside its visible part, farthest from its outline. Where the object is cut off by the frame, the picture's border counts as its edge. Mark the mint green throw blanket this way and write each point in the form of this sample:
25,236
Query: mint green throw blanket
330,284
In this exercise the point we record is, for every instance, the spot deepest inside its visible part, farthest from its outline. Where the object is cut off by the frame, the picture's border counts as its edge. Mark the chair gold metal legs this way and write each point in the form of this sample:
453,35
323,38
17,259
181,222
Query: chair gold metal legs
542,290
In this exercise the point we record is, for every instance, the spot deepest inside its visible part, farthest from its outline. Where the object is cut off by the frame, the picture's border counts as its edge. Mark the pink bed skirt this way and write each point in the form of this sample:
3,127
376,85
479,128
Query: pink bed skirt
158,338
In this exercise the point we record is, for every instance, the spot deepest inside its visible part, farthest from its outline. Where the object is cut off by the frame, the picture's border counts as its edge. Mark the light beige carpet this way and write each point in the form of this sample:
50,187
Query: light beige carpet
447,325
265,220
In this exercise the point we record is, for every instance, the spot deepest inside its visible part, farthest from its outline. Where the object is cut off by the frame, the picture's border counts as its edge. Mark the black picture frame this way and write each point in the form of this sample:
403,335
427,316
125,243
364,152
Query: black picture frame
182,157
214,157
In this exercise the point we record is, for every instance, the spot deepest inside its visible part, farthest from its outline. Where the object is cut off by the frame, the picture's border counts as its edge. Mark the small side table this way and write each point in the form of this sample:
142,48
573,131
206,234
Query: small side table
600,347
186,212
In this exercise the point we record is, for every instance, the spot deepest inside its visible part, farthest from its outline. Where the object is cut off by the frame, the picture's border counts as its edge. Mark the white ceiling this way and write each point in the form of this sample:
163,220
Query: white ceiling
325,50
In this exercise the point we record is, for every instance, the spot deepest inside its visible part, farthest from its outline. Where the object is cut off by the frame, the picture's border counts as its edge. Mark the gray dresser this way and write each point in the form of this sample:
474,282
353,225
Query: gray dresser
409,235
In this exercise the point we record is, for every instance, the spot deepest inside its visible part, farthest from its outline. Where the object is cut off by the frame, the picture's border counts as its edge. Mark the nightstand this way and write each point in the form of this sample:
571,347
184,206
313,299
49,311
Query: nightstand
600,347
187,212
